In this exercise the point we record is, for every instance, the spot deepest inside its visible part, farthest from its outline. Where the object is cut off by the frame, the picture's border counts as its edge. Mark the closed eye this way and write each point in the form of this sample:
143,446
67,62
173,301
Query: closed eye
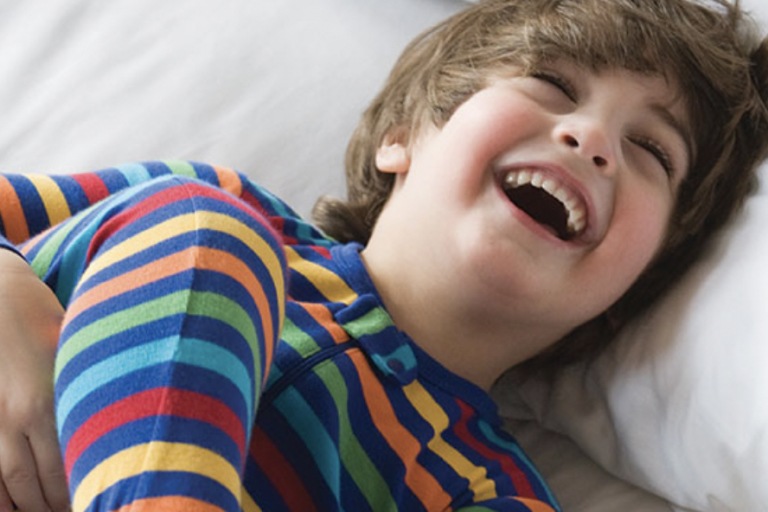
559,82
657,151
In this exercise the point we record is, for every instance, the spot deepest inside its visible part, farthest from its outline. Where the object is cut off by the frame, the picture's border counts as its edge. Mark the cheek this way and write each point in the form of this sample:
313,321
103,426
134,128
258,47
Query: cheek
494,121
642,229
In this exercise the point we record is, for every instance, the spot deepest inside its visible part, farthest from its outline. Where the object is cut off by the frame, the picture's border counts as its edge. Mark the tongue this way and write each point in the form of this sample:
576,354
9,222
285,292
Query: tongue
541,207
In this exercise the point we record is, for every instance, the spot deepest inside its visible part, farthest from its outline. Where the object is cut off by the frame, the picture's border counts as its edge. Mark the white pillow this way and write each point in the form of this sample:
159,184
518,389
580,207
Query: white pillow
679,405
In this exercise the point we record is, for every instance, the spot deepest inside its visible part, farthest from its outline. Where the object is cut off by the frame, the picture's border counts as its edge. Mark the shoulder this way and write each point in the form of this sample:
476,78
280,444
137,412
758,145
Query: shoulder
292,228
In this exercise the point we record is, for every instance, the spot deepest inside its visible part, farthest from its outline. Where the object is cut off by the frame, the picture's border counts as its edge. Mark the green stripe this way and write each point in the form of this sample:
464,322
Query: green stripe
49,248
354,457
373,322
299,340
181,167
191,351
230,312
184,301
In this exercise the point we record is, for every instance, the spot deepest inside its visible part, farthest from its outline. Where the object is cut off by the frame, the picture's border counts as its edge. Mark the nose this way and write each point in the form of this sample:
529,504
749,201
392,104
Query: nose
590,140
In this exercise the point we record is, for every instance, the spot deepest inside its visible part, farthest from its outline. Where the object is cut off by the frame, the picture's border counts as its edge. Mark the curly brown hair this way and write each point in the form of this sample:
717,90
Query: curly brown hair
712,50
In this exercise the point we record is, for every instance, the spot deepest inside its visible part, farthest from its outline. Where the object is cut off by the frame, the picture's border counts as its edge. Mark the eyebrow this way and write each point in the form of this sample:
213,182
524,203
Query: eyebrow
677,126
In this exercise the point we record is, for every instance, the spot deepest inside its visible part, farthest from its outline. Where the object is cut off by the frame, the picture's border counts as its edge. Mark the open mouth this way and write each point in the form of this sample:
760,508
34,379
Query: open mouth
548,202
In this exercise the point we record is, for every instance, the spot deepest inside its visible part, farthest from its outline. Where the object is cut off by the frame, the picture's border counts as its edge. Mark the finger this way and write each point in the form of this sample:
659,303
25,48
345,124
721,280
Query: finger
50,468
19,474
6,505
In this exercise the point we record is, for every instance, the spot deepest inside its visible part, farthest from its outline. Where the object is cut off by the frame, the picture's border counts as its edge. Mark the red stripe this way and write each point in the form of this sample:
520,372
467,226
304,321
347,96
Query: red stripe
162,199
155,402
271,221
508,464
92,185
280,473
322,251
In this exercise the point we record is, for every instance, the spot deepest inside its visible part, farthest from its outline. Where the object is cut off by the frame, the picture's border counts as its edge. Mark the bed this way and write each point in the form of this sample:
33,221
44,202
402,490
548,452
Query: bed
673,418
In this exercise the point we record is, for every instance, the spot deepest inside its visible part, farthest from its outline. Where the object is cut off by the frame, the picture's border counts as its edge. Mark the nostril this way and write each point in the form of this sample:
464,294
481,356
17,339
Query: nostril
571,141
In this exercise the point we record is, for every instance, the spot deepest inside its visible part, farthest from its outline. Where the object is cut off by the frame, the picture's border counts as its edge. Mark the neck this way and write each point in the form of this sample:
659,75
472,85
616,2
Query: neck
443,317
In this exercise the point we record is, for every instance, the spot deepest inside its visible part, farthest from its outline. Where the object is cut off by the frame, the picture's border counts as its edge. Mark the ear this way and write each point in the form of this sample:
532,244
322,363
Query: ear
393,155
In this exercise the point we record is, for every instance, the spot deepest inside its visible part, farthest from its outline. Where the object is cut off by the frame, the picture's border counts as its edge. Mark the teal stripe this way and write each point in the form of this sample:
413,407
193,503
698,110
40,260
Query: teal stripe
194,352
306,231
275,374
48,249
134,173
74,257
403,355
205,304
280,208
310,428
522,458
356,460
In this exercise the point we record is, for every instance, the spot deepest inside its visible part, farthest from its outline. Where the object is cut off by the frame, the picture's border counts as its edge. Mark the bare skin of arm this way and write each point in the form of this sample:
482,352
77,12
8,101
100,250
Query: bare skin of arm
31,470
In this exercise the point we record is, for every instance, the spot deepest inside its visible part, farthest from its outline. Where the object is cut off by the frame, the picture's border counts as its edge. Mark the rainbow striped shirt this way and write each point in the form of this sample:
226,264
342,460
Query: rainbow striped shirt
352,415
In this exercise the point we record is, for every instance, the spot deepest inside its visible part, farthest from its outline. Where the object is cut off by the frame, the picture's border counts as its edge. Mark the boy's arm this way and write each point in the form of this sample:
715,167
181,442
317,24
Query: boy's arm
30,203
30,464
31,470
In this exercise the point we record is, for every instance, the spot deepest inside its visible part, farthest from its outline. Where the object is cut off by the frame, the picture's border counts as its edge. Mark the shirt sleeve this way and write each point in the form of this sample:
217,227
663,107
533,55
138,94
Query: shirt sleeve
30,203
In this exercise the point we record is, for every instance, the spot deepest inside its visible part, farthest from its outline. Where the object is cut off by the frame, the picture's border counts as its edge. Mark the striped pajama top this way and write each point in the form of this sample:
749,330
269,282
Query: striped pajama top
352,416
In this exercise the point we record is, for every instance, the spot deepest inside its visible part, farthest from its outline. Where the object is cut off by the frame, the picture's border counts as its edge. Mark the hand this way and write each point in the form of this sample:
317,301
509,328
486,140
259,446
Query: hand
31,470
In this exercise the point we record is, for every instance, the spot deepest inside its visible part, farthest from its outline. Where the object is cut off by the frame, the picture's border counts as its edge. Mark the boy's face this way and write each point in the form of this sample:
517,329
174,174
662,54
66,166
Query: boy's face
549,193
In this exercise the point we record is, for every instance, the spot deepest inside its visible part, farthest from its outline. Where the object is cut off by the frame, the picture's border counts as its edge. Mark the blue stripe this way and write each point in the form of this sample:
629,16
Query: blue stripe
73,193
165,428
522,461
74,254
190,351
165,483
310,428
34,210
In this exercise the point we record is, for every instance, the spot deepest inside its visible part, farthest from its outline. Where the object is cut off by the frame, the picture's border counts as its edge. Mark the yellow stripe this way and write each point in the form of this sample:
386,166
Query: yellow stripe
184,224
156,456
257,244
431,412
144,239
329,284
248,505
55,203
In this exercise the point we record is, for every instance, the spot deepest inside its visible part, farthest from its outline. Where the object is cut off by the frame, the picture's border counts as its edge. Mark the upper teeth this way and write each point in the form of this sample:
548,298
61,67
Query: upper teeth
577,210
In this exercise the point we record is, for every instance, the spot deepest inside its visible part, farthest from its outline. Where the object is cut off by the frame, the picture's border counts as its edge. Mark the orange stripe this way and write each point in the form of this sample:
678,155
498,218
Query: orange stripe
169,504
229,180
322,316
195,257
14,221
420,481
